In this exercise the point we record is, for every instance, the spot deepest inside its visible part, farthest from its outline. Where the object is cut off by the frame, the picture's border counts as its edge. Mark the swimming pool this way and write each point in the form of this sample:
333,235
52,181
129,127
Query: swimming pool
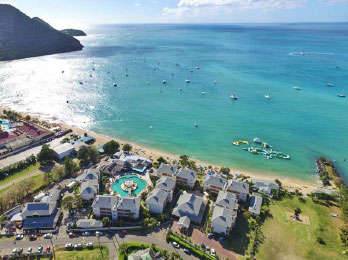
116,186
7,127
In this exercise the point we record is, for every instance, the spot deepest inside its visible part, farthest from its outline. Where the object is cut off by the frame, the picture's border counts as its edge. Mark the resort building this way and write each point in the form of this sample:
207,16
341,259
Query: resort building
126,207
184,223
102,205
241,189
214,183
146,254
89,189
38,215
191,206
52,195
223,220
227,200
265,186
157,200
63,150
255,205
88,175
186,177
138,164
167,184
117,167
89,224
166,170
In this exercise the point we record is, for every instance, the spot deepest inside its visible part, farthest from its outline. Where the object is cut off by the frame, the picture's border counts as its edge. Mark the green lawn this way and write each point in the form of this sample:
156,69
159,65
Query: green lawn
38,182
85,254
21,173
285,239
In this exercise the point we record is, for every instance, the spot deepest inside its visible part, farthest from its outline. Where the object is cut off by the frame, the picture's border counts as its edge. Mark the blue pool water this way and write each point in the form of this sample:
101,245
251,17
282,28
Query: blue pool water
7,127
249,60
116,186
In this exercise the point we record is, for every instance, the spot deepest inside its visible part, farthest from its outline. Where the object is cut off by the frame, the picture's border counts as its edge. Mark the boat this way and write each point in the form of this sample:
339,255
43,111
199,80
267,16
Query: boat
172,74
215,82
81,83
180,89
115,84
177,64
203,92
257,140
267,96
135,61
62,71
197,67
237,143
164,81
329,84
191,70
234,96
341,95
296,87
302,53
150,127
126,72
154,68
158,63
147,83
196,125
187,80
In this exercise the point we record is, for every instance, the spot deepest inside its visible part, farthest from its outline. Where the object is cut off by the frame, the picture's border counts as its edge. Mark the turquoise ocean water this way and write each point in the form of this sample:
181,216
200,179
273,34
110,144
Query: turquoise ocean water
249,60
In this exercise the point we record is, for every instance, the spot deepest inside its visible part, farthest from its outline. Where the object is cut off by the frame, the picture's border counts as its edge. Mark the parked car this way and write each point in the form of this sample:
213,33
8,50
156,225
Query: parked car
187,251
89,245
176,245
32,237
30,249
213,251
210,235
48,249
48,235
19,237
207,248
19,251
14,251
39,249
86,233
98,233
69,246
72,235
202,245
78,246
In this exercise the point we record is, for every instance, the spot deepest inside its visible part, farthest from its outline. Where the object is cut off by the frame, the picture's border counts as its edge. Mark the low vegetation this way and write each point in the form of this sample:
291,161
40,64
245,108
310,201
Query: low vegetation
127,249
85,254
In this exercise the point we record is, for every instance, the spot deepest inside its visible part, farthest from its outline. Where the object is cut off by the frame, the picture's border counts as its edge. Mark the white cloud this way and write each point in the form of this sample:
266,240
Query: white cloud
137,4
210,6
333,2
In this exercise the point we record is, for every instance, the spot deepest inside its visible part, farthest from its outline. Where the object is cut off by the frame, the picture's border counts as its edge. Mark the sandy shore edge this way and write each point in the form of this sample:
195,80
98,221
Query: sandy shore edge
152,153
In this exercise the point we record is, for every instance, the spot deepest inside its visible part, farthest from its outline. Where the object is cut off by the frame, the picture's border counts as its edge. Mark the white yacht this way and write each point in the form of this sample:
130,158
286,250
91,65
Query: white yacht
203,92
297,88
341,95
164,81
329,84
267,96
197,67
215,82
196,125
234,96
187,80
115,84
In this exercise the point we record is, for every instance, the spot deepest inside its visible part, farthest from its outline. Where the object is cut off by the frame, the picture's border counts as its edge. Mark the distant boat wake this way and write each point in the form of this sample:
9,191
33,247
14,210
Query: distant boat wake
310,53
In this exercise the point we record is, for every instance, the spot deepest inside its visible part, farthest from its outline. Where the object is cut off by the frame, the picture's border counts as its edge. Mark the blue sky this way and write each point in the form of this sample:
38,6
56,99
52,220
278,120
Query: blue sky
62,13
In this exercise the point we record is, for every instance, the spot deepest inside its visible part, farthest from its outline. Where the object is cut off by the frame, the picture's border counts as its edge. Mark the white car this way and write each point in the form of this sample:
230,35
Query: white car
98,233
48,235
14,251
89,245
176,245
30,249
19,237
213,251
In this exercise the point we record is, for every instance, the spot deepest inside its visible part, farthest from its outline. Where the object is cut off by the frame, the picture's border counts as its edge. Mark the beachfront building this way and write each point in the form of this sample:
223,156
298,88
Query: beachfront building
157,200
185,176
255,205
89,189
190,205
38,215
88,175
167,184
127,207
138,164
227,200
265,186
102,205
223,220
214,183
117,167
241,189
63,150
166,170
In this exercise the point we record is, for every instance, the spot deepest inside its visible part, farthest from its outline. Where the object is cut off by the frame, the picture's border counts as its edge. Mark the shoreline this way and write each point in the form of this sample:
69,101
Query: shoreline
153,154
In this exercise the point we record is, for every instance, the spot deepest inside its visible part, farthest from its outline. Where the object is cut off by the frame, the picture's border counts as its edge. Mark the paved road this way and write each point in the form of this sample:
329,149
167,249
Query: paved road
112,242
23,155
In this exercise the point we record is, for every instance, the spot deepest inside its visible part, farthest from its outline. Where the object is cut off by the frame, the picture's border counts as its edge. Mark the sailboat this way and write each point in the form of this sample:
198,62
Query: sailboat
196,125
329,84
197,67
164,81
115,84
267,95
296,87
341,95
126,71
203,92
187,80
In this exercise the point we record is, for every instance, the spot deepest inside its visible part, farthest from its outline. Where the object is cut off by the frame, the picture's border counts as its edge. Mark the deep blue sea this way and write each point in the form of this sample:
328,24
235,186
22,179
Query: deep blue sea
247,60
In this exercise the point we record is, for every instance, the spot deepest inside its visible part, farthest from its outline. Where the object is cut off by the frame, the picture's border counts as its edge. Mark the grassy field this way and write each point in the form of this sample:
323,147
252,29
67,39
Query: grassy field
37,179
284,239
21,173
85,254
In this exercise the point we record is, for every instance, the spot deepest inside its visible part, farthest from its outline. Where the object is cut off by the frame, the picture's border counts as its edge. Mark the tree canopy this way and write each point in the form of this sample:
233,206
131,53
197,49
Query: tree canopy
46,155
111,147
87,154
127,148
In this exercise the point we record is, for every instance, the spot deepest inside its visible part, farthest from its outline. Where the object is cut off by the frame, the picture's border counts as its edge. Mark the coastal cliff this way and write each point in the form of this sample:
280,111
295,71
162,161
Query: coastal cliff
23,37
73,32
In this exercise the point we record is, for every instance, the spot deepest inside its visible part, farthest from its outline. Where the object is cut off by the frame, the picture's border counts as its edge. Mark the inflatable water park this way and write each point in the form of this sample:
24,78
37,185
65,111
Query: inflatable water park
265,149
